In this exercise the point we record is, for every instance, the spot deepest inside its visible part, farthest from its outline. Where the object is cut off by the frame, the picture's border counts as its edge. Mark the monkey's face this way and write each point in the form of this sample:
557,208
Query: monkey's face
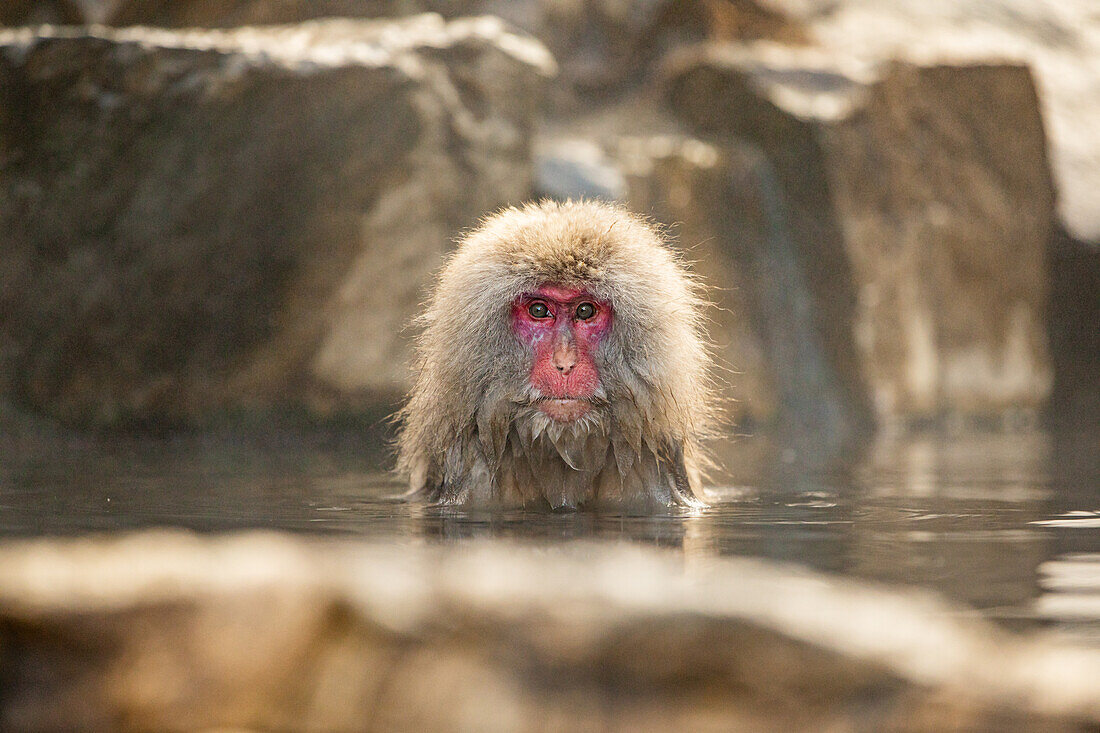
562,327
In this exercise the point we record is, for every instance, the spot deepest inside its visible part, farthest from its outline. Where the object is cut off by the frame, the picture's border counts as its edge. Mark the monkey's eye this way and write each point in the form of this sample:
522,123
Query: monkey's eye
585,311
538,310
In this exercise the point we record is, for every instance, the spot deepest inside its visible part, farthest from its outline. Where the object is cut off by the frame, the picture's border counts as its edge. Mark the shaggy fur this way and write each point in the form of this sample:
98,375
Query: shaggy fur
471,433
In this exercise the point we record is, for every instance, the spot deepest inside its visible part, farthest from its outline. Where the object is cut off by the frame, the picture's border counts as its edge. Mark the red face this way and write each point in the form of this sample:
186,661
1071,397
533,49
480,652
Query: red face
562,326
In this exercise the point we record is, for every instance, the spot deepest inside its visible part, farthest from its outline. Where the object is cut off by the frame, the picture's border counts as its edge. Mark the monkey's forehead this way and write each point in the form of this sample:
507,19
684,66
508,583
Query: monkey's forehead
569,271
559,293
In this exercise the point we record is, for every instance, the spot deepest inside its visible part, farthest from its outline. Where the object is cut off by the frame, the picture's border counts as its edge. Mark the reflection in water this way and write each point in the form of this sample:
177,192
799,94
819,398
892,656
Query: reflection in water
1003,523
664,531
955,514
1071,592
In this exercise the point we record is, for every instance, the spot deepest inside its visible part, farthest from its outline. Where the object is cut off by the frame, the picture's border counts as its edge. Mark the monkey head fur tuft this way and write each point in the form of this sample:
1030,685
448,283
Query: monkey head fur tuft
562,361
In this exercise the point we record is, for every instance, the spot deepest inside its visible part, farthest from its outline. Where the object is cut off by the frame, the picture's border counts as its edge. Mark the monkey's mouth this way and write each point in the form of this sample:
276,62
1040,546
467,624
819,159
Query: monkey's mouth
564,409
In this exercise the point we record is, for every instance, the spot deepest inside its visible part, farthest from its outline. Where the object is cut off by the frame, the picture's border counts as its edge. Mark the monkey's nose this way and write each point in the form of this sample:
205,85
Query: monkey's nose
564,360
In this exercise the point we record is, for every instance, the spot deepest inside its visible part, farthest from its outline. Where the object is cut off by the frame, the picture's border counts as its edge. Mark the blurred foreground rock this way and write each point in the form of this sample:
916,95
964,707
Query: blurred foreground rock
201,222
919,205
262,632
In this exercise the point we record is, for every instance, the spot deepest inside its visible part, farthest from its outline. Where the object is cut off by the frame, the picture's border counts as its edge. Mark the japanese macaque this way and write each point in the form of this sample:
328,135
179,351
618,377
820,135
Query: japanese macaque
562,361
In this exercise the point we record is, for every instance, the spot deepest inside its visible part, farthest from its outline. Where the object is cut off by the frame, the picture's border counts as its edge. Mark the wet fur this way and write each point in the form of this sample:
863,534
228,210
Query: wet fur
471,432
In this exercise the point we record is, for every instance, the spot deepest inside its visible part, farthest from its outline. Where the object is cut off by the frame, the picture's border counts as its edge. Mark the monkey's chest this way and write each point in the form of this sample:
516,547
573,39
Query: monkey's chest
568,472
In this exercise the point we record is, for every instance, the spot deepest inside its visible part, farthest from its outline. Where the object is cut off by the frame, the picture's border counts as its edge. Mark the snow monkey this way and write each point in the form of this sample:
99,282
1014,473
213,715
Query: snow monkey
562,361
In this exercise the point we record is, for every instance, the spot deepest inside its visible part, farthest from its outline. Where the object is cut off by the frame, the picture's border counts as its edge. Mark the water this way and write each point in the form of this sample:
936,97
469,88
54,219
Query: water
1008,525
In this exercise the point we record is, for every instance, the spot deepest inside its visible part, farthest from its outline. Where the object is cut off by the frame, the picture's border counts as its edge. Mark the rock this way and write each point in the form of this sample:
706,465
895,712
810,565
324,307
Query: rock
574,169
601,44
607,45
740,233
202,13
235,13
1074,335
921,205
230,13
754,20
691,187
202,223
261,631
1058,41
34,12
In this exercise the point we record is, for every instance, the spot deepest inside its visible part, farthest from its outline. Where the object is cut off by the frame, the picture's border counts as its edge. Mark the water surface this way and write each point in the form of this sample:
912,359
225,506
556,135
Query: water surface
1008,524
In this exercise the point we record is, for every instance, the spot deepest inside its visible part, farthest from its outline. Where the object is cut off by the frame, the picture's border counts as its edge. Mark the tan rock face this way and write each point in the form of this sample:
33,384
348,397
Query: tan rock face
210,221
685,183
1058,40
920,206
941,183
